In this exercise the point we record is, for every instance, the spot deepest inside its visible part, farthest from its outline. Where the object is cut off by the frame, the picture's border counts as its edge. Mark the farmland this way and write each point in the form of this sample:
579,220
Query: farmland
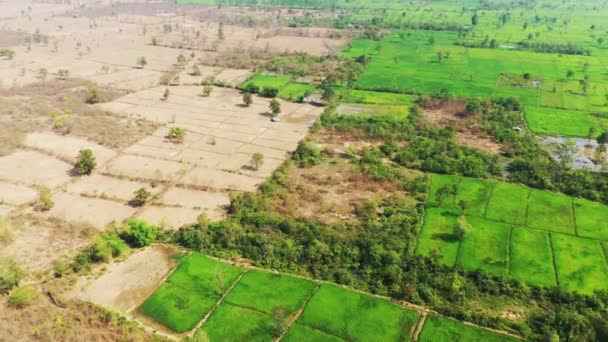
517,231
549,96
261,306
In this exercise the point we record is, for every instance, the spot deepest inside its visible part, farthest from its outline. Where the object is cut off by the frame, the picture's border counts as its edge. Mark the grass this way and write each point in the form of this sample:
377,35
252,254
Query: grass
531,257
267,81
301,333
581,265
357,317
551,211
296,91
234,323
439,329
190,292
177,308
438,236
274,294
477,193
508,203
591,219
568,122
375,97
485,246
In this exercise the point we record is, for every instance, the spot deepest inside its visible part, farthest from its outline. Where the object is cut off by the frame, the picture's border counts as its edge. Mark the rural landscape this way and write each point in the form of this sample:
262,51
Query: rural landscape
304,170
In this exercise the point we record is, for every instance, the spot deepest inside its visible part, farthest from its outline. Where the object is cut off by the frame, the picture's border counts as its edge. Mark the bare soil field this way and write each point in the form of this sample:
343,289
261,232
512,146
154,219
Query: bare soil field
174,218
66,148
125,285
35,169
16,194
106,187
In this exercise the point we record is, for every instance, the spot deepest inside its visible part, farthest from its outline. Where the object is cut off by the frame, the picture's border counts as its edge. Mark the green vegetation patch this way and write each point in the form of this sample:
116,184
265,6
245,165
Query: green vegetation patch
581,265
591,219
375,97
485,246
551,211
531,257
477,193
234,323
508,203
274,294
438,236
301,333
190,292
439,329
178,308
569,122
357,317
266,81
296,91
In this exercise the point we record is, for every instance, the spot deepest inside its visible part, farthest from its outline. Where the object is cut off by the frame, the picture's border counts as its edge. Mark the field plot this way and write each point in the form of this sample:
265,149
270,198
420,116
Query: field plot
301,333
35,169
531,257
269,293
486,247
438,236
550,210
354,316
190,292
67,148
235,323
127,284
477,193
591,219
508,203
439,329
581,264
407,62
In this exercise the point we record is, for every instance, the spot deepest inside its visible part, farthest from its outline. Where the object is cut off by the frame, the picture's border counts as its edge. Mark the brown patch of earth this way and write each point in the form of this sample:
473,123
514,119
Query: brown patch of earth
450,114
125,285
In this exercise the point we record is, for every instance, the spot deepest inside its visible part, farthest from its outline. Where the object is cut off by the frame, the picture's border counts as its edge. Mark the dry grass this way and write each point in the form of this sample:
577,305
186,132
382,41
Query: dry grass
61,106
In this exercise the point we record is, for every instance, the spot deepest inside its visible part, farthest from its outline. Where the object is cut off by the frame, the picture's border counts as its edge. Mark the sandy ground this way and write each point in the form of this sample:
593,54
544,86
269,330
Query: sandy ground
33,168
66,147
94,211
125,285
16,194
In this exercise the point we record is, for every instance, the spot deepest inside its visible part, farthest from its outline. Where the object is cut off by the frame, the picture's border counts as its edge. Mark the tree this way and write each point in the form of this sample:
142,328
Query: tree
569,74
176,134
443,193
275,107
440,56
462,228
603,138
584,85
207,89
474,19
141,197
85,162
527,76
600,40
247,99
166,94
464,205
45,200
431,40
257,160
566,152
142,62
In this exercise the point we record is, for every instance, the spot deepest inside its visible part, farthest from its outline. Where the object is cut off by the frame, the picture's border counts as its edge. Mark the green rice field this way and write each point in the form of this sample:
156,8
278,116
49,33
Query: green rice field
519,235
439,329
261,306
288,89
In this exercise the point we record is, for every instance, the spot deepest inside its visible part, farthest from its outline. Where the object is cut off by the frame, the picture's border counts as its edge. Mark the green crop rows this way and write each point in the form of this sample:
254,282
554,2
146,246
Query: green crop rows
260,305
538,237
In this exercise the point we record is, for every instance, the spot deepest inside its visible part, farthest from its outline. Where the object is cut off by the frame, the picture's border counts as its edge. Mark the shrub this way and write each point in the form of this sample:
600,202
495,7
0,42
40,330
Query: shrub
23,296
252,88
139,233
94,96
270,92
176,134
275,107
247,99
45,201
107,246
307,155
257,160
85,162
10,274
141,197
207,89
